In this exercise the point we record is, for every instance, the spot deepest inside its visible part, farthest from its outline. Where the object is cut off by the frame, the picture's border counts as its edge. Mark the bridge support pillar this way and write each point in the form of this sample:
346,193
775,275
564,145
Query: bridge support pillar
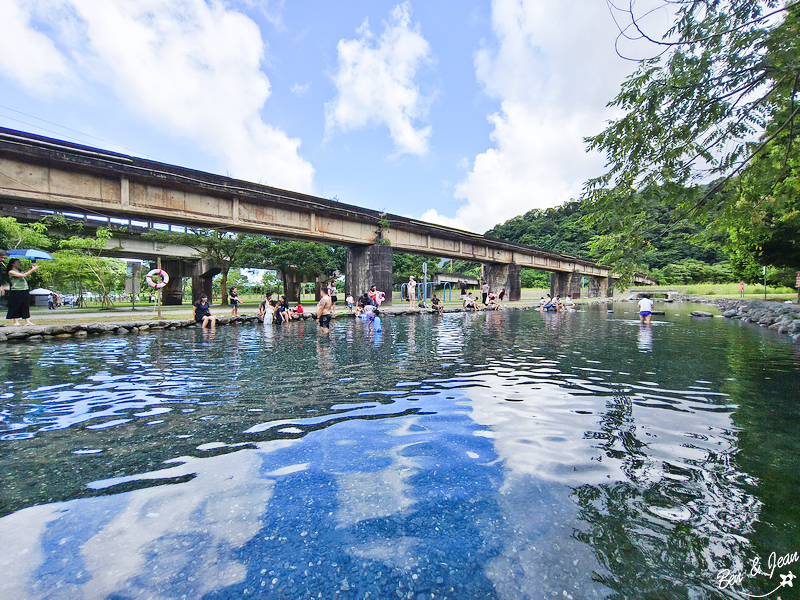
368,266
564,284
598,287
508,277
291,286
203,278
172,293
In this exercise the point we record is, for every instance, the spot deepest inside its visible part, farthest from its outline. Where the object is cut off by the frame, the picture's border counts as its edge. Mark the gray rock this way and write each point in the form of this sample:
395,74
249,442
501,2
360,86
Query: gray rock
18,335
701,313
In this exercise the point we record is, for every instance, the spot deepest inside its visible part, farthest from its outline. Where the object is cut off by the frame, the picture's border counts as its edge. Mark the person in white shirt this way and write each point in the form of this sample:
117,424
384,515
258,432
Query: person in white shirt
411,287
645,309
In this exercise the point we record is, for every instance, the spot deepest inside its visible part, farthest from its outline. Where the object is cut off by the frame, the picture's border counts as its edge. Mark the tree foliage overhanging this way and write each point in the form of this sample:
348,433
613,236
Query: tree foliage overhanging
712,124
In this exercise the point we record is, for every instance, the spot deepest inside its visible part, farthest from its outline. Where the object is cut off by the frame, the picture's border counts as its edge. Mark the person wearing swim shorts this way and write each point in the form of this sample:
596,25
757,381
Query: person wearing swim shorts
645,309
324,311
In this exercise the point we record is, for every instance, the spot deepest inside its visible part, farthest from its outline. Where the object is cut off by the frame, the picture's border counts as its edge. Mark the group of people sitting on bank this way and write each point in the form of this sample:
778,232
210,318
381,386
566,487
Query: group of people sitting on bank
490,301
374,298
547,303
273,311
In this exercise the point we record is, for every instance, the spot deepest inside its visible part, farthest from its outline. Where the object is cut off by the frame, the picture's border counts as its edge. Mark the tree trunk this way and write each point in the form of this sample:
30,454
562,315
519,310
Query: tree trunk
223,284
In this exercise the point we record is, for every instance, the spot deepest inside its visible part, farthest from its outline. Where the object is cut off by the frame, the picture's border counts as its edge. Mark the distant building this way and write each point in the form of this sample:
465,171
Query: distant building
454,279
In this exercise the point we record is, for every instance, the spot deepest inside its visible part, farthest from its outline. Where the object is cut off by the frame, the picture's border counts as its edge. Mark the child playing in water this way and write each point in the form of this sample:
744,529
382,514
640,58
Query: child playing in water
235,302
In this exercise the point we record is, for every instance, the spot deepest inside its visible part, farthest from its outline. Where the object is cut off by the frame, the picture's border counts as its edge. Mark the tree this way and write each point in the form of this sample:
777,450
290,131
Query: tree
309,260
534,278
405,265
20,235
727,74
222,247
81,263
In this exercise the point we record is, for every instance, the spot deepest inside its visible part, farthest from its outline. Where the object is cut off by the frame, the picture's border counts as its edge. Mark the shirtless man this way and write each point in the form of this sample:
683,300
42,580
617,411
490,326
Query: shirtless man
324,311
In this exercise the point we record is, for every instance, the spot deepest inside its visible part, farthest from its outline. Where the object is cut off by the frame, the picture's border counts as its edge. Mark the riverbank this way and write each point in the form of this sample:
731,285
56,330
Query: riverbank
777,316
102,326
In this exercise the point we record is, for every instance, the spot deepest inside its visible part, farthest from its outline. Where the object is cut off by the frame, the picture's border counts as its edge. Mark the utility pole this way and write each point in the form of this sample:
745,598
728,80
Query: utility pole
158,299
424,279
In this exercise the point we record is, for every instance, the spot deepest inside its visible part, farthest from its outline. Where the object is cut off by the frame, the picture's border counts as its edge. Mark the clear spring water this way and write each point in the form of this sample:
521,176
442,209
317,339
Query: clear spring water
494,455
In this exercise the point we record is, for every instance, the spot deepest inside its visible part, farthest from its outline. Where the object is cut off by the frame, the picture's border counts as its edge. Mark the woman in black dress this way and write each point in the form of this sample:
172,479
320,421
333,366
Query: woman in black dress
19,296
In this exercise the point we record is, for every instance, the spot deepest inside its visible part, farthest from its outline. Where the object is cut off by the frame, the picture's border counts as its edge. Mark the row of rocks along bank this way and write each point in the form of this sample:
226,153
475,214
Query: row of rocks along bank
778,316
36,333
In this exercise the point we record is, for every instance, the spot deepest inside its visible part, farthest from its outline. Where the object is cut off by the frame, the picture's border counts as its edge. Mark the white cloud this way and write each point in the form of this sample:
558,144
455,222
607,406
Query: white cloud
432,216
190,67
553,71
299,89
375,82
27,55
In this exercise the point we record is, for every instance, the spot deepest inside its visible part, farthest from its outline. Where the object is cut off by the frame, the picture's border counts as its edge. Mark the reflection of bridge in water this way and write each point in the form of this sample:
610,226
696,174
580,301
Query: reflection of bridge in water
52,174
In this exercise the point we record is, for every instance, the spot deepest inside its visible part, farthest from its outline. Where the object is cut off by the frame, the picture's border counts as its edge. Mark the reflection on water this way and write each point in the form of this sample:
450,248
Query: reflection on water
503,455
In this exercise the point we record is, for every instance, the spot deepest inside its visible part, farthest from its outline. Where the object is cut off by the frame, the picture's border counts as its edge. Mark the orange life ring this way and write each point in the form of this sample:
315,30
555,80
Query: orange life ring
161,273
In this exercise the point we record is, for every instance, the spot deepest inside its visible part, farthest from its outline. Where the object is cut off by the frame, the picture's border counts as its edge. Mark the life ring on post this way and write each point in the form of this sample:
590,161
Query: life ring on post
161,273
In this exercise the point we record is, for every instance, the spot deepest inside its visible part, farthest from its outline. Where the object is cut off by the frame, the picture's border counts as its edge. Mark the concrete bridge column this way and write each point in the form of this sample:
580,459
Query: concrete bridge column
500,276
563,284
172,293
368,266
291,285
598,287
202,278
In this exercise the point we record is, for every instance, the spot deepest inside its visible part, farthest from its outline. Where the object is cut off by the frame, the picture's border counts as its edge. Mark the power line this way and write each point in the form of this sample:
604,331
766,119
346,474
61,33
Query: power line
68,129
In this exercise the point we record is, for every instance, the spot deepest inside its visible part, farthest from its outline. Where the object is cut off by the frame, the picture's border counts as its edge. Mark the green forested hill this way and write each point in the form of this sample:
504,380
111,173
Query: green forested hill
556,229
675,256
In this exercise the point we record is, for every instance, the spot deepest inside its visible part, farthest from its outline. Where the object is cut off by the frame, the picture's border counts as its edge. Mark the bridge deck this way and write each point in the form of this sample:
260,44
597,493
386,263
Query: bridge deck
46,173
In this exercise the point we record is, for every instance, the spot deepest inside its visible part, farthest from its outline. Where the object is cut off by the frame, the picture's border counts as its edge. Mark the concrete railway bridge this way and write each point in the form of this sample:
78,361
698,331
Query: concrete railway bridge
51,174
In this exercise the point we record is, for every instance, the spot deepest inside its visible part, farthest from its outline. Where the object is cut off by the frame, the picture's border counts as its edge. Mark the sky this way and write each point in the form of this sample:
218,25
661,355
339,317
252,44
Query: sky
459,112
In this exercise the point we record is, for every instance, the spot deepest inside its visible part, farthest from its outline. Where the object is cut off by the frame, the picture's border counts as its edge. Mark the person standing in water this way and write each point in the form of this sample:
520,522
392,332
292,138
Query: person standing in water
324,311
645,309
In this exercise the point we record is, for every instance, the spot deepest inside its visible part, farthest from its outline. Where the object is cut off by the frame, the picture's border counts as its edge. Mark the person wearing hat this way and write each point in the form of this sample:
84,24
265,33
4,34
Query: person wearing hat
412,288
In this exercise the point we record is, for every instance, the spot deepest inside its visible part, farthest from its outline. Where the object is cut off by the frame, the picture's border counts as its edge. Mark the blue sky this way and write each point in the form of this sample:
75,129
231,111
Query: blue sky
464,112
